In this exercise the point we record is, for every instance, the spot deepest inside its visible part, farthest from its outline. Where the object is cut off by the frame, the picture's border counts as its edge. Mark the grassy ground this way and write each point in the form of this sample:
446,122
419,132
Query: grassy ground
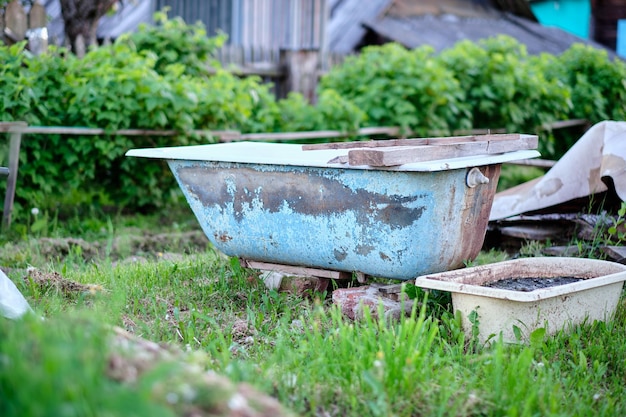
217,316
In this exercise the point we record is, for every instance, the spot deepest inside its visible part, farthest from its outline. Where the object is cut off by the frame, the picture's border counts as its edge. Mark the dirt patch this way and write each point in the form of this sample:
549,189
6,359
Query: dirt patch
147,245
54,280
530,284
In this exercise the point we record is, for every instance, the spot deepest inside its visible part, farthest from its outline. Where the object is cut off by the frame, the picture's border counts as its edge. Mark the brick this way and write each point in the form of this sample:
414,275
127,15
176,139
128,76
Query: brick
353,302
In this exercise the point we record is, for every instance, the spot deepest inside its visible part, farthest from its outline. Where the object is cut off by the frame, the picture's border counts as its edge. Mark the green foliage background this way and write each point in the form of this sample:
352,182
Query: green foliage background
165,76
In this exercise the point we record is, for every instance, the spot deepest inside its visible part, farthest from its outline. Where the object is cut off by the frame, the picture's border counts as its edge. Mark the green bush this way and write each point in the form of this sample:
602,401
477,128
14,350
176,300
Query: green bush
16,87
177,43
111,88
598,91
332,112
504,87
597,83
399,87
115,87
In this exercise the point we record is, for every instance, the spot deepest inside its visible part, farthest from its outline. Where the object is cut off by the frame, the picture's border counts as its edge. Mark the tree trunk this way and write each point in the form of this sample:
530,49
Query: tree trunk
81,21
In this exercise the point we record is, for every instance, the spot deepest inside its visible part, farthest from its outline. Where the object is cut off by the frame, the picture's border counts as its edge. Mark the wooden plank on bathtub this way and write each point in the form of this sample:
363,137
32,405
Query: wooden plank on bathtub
523,142
411,142
399,155
365,144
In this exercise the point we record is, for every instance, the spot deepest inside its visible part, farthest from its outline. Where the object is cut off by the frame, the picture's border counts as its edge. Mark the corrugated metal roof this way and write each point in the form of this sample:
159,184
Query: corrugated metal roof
128,17
464,8
270,24
274,24
444,31
216,15
344,28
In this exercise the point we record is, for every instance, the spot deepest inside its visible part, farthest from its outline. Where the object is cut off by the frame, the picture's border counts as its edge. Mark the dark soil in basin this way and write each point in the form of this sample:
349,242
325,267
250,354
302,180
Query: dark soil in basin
530,284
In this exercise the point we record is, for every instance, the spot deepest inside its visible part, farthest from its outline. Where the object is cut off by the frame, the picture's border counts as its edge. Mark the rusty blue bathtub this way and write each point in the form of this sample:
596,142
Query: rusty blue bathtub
279,204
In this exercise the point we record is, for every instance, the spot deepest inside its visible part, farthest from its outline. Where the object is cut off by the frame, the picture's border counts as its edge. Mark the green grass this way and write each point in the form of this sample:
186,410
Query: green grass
299,350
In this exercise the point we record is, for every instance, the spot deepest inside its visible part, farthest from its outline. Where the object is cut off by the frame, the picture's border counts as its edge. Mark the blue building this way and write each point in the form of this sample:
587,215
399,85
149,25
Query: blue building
573,16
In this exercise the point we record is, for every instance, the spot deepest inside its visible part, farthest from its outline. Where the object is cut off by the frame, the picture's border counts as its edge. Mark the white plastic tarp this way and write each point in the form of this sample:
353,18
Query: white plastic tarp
599,154
13,305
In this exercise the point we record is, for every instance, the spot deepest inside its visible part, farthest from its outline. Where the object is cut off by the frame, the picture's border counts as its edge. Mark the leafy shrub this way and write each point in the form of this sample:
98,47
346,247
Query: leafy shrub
504,87
112,88
598,85
399,87
16,88
332,112
229,102
115,87
177,43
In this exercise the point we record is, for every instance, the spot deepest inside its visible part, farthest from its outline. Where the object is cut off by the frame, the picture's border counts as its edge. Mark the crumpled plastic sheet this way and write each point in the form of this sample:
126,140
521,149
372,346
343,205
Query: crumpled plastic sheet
13,305
599,154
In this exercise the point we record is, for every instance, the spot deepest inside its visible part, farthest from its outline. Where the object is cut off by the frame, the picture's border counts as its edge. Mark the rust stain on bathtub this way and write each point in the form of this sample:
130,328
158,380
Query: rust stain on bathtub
340,255
222,237
303,192
475,214
364,249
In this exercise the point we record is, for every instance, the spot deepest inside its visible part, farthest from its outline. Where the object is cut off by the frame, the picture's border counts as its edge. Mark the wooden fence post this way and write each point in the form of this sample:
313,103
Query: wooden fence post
301,72
37,17
16,22
15,129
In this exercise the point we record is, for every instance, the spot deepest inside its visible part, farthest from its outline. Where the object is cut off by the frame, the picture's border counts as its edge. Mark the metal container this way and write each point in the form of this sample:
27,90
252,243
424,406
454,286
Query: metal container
279,204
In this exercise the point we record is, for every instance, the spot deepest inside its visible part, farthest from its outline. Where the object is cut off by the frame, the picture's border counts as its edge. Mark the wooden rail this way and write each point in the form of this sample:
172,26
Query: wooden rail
222,135
89,131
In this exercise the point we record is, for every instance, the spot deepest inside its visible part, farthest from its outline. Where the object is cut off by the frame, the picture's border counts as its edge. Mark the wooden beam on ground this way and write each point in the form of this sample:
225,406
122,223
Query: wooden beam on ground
391,289
616,253
569,251
534,232
297,270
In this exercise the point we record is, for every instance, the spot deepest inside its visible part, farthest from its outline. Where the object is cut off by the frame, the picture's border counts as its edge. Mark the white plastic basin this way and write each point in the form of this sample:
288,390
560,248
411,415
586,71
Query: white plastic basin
507,312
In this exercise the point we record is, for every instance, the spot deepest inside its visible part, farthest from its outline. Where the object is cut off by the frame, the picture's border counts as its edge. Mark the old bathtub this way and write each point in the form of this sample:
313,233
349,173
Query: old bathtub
279,204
